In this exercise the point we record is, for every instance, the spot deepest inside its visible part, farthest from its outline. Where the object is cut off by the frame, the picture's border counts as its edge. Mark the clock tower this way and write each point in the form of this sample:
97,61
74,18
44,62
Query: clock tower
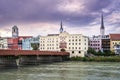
15,31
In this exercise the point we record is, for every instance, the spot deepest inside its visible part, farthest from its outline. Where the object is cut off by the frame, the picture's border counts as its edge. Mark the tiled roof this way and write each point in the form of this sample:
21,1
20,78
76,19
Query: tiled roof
31,52
53,34
115,36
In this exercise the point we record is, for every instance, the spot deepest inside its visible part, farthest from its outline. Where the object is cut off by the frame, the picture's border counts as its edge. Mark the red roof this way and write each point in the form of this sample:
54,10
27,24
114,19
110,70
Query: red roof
115,36
31,52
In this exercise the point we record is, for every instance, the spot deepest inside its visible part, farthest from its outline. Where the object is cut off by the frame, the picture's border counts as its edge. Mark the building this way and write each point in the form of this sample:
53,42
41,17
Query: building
117,49
3,43
105,43
28,43
76,44
95,43
14,42
114,40
102,41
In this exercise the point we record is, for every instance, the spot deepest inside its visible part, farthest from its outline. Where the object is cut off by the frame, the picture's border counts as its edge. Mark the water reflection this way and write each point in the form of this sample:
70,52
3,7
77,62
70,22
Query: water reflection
65,71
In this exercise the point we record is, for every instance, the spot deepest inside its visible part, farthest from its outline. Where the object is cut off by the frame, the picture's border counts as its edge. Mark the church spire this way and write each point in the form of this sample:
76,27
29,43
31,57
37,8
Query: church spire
61,27
102,22
102,28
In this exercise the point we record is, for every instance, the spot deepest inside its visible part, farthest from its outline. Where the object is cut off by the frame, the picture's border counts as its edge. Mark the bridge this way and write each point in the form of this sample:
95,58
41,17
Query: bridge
14,58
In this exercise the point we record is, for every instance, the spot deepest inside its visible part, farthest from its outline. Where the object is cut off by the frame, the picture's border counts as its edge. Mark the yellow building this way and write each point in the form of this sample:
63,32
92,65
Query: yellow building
114,40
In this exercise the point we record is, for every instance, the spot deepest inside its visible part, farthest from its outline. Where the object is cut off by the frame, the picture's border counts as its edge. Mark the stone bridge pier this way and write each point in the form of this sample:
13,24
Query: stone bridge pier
8,62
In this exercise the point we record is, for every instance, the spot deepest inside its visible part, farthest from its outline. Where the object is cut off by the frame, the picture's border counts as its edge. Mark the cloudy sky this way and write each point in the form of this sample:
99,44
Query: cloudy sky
42,17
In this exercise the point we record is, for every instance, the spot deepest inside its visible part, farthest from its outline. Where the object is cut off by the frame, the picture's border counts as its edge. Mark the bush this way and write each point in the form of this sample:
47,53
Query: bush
97,59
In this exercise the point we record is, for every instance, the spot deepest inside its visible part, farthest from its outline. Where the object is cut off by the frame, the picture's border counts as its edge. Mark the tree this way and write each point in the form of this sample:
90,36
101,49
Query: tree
91,51
35,46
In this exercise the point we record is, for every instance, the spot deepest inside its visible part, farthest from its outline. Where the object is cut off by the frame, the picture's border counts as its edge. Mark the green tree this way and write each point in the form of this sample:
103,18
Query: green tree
35,46
91,51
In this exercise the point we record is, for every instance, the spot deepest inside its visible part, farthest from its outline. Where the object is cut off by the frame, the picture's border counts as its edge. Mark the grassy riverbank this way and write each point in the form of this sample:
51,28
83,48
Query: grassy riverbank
97,59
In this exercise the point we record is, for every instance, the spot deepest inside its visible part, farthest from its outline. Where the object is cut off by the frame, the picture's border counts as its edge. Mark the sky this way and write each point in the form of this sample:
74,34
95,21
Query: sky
42,17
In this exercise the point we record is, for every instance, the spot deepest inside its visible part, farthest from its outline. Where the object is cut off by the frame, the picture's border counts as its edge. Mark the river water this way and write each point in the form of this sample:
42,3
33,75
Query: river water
65,71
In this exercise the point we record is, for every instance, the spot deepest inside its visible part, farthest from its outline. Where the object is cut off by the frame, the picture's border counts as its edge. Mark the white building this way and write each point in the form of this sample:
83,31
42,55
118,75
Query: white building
117,49
3,43
76,44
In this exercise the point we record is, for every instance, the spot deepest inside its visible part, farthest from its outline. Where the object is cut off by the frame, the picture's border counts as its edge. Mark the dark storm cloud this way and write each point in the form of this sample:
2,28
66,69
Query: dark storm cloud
25,11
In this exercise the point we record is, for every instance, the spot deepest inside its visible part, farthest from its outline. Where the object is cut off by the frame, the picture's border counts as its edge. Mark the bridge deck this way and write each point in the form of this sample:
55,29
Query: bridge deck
31,52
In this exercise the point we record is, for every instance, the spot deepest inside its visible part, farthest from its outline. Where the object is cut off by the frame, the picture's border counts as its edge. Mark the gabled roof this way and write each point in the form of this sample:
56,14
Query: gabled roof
115,36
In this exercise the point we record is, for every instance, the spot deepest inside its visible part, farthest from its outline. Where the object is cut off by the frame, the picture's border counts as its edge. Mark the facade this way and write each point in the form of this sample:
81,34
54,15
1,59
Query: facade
95,43
13,44
76,44
3,43
114,40
117,49
105,43
28,42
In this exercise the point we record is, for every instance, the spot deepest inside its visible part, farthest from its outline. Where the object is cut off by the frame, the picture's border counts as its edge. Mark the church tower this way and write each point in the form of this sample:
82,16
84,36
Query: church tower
61,27
102,28
15,32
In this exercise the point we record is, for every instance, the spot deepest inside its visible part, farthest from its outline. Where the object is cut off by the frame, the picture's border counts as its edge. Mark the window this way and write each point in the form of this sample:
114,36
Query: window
79,51
69,43
69,47
72,51
72,43
75,47
72,47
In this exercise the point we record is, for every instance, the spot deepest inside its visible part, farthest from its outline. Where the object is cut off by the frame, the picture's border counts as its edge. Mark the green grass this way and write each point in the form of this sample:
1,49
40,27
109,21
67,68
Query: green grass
97,59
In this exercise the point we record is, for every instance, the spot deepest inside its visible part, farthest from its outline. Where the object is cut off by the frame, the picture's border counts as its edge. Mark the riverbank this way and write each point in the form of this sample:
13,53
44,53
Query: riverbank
97,59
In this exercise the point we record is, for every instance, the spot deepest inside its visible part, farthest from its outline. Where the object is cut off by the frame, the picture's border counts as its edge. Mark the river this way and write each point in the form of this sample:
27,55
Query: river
65,71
